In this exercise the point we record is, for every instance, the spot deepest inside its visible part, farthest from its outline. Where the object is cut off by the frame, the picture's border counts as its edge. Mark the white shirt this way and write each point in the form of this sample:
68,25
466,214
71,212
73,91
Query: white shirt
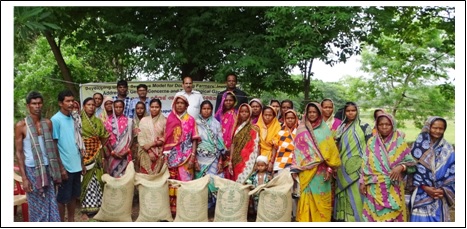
194,99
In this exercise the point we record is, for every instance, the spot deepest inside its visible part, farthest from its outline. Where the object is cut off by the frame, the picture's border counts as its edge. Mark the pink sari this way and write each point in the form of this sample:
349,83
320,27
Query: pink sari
227,120
118,153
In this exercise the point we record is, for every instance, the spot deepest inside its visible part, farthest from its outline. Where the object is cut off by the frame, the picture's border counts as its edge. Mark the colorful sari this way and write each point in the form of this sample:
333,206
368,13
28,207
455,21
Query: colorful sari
315,151
227,121
284,143
180,132
151,129
245,146
209,151
435,168
92,186
385,201
118,153
375,129
267,133
351,142
332,122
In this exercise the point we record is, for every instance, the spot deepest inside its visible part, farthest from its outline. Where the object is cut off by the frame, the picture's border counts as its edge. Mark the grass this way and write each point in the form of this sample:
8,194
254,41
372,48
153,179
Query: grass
411,132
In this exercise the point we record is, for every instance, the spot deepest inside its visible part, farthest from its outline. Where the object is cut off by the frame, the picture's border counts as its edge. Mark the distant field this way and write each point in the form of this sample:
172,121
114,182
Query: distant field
411,131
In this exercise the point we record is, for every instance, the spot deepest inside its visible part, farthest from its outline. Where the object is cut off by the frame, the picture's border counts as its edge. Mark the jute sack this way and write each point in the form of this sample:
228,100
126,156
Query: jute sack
275,199
154,204
232,200
192,200
117,198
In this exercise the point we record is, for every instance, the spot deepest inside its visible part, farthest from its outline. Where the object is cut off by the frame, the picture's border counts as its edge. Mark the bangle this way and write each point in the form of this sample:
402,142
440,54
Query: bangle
330,169
404,167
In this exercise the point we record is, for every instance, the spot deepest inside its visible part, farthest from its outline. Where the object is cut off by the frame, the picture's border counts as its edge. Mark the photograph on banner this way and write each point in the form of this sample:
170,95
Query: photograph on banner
163,90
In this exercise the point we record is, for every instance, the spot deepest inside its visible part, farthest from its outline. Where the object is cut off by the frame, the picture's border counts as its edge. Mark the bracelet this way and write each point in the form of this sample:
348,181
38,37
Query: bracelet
330,169
404,167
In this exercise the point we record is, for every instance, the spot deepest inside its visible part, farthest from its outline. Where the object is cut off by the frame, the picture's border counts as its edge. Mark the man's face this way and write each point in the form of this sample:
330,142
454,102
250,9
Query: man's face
142,92
35,106
67,104
231,82
122,90
187,84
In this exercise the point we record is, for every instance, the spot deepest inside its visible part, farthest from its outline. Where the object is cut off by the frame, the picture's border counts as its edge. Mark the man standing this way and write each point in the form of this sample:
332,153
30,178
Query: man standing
98,99
231,82
194,97
142,90
39,162
64,135
122,91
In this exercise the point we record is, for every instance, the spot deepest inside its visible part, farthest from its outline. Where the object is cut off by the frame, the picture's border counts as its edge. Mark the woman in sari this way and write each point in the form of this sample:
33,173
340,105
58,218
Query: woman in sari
376,113
256,107
351,136
151,139
434,175
286,104
387,157
268,128
328,109
118,153
108,109
94,136
211,148
140,112
181,142
226,115
245,145
315,158
282,151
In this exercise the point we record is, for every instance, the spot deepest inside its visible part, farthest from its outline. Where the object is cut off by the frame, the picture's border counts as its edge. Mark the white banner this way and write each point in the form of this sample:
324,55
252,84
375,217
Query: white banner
163,90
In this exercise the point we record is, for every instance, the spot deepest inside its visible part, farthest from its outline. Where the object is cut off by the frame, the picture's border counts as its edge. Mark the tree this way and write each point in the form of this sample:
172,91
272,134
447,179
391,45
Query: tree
306,34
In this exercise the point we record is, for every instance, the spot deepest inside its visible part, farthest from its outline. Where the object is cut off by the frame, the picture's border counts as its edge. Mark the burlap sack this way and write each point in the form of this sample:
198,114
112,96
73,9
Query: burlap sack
117,197
275,199
232,200
154,204
192,200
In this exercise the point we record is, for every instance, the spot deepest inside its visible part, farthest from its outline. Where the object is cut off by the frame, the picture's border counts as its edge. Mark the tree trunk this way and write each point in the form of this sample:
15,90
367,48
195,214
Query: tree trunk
187,70
306,80
61,63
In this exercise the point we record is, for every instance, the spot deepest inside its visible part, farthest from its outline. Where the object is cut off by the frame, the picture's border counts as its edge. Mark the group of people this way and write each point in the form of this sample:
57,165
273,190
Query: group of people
344,169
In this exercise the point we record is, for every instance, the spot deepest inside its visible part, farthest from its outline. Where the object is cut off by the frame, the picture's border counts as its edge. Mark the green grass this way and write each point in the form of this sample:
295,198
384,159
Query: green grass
411,132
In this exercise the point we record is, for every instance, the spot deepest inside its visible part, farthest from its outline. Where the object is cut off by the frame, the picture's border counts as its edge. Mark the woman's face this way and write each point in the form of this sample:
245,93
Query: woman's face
155,109
140,109
351,113
327,108
384,126
268,116
285,106
108,106
244,113
180,106
290,120
312,114
255,108
90,107
276,106
229,102
437,130
118,108
206,111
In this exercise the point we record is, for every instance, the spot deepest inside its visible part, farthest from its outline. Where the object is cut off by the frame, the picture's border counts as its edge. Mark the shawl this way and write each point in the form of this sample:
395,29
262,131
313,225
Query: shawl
78,129
92,131
151,129
284,143
40,172
255,120
267,133
227,119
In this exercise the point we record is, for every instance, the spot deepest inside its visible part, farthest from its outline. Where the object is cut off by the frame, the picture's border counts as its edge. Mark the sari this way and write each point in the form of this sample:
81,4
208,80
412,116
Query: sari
351,142
435,168
284,143
209,152
267,133
103,115
134,142
180,132
385,201
227,121
151,129
118,153
245,149
332,122
255,120
315,151
375,129
92,186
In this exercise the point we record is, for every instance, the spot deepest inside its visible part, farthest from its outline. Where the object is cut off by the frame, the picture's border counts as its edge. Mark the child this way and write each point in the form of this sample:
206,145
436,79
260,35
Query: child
259,176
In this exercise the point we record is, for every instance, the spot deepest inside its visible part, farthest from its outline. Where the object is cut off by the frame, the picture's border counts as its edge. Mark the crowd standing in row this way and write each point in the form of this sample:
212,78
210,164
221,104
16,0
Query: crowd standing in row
343,169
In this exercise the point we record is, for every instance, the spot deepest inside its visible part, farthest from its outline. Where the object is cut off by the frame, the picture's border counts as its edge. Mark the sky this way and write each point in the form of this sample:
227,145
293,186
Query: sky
322,71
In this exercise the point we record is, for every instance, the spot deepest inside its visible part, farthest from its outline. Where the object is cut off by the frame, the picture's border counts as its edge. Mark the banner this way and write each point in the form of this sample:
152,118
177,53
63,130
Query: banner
163,90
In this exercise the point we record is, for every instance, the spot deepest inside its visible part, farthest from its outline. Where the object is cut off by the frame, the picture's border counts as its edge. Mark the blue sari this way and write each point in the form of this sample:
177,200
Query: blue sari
435,168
